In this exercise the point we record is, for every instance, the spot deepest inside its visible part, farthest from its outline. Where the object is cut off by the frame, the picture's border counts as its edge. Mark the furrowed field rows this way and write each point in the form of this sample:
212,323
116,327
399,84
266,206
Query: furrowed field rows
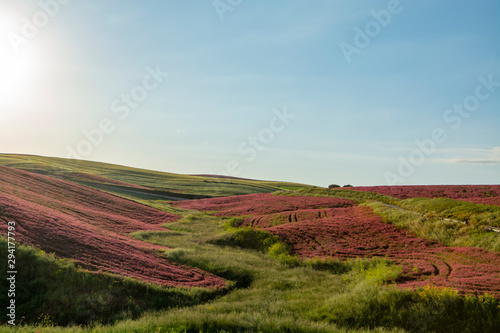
91,227
336,228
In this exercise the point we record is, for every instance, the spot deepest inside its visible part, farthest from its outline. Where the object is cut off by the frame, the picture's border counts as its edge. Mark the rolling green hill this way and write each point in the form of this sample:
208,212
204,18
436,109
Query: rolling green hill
140,183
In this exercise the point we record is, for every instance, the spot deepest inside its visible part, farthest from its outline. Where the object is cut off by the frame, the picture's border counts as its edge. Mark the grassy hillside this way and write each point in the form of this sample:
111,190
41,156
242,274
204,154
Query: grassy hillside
124,180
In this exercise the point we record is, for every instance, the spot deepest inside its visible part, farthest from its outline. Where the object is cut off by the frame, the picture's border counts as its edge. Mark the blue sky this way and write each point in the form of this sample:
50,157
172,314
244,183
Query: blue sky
258,89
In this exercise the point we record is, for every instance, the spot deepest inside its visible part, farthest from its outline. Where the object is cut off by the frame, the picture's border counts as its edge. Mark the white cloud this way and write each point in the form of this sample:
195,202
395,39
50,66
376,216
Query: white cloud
475,156
472,161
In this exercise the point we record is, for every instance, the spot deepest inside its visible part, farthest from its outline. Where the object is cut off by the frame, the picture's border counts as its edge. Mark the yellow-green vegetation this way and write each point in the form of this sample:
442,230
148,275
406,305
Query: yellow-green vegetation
272,295
435,228
472,213
357,196
161,183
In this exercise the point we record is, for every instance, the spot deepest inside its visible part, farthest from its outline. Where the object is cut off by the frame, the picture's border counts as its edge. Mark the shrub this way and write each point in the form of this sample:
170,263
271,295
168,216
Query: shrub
328,264
281,252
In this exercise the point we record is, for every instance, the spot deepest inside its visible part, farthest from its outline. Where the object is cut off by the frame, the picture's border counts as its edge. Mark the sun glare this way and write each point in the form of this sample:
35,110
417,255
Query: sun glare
17,75
16,69
14,76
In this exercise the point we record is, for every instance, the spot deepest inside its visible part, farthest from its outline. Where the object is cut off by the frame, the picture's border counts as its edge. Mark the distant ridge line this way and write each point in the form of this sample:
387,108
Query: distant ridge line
227,177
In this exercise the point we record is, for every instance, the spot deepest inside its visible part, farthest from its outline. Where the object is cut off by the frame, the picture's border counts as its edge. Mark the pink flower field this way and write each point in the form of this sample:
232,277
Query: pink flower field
90,227
485,194
335,228
258,204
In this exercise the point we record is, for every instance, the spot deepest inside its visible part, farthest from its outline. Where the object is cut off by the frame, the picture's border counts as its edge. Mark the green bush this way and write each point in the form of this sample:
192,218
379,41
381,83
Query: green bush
281,252
260,240
247,238
328,264
234,222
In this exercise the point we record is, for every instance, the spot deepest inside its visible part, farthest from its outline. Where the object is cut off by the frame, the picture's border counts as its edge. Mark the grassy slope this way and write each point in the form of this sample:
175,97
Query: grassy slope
472,213
161,181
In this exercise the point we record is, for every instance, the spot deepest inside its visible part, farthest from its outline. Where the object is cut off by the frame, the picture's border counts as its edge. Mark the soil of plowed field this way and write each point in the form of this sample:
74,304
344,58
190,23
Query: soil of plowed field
90,227
337,228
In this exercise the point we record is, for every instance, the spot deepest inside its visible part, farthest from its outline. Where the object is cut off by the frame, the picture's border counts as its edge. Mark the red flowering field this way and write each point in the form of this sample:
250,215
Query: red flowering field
333,228
485,201
259,204
90,227
487,194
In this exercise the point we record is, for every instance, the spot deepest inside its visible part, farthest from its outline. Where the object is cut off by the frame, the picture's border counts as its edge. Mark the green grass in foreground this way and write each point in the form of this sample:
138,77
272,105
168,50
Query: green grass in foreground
278,293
